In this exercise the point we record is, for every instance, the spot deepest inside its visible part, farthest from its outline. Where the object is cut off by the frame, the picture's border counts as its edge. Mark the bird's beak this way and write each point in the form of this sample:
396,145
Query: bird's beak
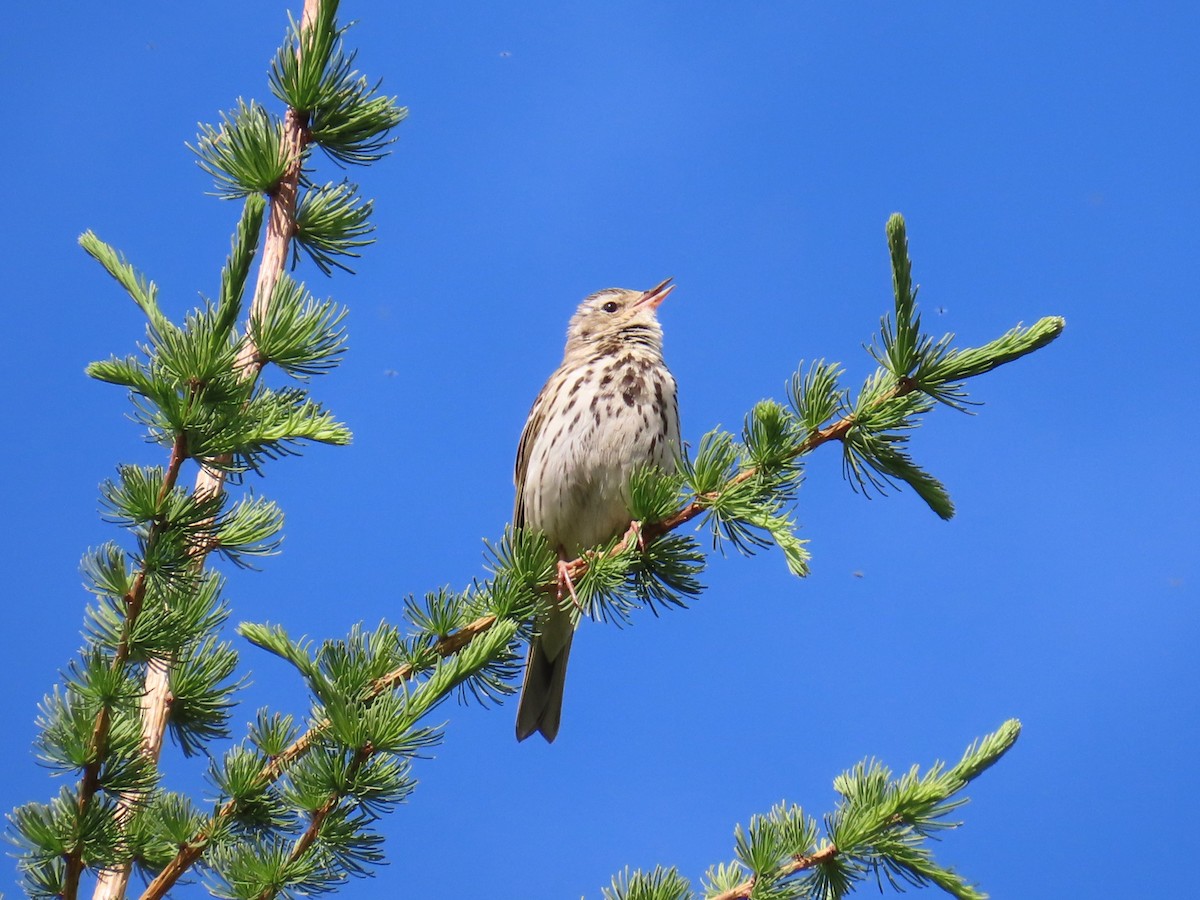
657,294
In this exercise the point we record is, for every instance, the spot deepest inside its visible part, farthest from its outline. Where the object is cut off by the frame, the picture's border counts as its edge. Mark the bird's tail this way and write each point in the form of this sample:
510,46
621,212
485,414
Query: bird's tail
540,707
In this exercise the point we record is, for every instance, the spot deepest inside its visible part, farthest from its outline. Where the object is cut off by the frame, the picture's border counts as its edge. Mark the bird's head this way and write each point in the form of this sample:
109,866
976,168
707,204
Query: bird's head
614,316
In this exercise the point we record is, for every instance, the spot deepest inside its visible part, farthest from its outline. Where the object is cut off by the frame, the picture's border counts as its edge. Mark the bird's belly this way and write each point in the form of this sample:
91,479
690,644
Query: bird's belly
577,486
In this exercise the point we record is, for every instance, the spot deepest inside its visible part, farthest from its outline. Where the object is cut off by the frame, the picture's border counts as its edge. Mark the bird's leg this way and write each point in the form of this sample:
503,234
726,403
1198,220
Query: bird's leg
564,579
636,527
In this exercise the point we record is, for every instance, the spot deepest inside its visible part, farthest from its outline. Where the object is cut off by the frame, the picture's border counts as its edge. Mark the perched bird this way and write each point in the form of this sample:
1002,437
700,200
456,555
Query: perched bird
607,410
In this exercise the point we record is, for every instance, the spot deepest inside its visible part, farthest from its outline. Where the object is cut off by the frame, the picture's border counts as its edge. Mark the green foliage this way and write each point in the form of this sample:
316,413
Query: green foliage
298,78
882,824
349,119
142,291
46,832
272,733
246,154
363,734
745,489
243,250
158,827
352,120
941,374
332,223
658,884
201,700
191,388
297,333
815,396
175,609
68,718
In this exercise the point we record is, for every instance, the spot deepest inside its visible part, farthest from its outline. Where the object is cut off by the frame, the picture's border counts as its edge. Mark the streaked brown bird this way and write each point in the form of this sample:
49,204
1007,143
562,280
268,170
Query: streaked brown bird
608,409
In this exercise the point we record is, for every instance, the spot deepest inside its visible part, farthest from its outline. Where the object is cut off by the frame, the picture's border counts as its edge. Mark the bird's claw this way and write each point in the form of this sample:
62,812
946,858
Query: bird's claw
564,578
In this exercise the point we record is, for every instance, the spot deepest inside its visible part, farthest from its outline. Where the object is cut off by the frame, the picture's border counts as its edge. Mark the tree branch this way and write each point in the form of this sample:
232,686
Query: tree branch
281,226
313,831
652,530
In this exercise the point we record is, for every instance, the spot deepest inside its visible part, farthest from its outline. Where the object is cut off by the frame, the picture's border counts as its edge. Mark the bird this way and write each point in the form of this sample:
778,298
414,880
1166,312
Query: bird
609,409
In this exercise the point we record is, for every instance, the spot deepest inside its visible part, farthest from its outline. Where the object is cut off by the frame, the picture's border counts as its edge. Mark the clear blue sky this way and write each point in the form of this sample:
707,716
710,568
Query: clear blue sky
1045,158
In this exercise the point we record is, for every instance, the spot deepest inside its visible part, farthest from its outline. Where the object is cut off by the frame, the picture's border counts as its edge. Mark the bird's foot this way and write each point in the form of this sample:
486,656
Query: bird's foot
636,527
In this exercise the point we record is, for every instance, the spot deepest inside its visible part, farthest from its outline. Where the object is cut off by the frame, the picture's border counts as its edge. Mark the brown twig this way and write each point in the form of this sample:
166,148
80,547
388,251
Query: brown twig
796,864
133,601
313,831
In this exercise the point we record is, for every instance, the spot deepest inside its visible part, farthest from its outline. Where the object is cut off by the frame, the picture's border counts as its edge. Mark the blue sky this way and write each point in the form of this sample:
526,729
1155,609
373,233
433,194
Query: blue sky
1045,158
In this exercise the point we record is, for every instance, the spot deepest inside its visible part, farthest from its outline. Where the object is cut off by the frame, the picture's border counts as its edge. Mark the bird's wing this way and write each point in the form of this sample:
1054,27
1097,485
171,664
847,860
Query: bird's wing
533,426
674,433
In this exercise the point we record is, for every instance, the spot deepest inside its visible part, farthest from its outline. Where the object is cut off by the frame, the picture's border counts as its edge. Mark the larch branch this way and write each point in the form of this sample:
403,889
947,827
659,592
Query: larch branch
210,481
133,600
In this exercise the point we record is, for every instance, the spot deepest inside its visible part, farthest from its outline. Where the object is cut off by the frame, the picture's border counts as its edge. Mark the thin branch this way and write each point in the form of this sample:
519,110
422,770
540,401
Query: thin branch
313,831
133,599
639,533
796,864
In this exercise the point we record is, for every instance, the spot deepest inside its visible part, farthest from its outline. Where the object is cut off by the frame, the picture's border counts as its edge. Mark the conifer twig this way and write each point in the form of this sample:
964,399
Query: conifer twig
796,864
320,814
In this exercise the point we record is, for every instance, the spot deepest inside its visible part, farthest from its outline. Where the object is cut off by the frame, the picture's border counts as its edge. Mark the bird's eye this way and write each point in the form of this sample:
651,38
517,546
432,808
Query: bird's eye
611,306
